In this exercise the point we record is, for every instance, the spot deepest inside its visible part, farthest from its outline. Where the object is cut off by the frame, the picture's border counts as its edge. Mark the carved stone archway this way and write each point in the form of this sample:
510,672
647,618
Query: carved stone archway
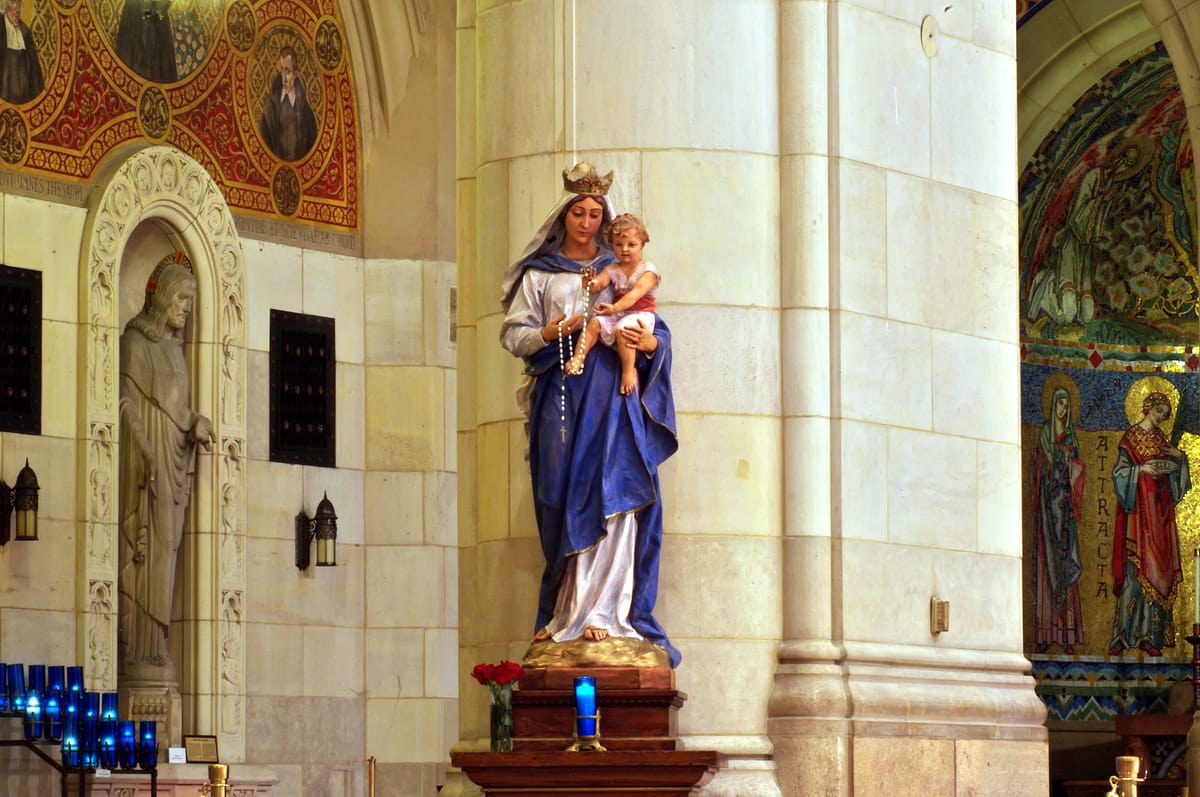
168,187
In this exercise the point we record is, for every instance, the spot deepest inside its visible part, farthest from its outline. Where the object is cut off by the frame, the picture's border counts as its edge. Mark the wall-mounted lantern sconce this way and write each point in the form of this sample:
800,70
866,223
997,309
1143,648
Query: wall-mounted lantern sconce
323,526
24,499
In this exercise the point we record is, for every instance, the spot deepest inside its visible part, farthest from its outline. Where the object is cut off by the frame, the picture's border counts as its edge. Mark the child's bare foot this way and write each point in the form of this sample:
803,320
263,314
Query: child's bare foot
594,633
575,365
628,382
542,636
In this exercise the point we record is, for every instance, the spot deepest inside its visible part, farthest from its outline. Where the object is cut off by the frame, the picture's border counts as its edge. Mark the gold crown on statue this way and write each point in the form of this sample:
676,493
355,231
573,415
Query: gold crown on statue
583,179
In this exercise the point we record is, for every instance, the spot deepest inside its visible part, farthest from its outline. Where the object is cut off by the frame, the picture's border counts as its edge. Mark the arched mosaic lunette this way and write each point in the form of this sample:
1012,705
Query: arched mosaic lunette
165,185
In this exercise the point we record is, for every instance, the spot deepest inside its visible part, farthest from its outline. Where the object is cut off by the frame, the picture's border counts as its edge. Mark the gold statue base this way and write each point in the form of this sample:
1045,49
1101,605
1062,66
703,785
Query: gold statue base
611,652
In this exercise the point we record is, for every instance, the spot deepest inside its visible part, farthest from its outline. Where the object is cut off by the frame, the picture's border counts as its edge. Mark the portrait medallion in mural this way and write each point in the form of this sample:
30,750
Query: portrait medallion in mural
285,90
1107,203
28,50
164,41
14,136
329,45
239,22
285,189
154,113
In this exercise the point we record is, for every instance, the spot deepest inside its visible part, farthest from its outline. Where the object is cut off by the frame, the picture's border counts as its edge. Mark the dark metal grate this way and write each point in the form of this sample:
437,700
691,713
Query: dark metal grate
20,350
302,389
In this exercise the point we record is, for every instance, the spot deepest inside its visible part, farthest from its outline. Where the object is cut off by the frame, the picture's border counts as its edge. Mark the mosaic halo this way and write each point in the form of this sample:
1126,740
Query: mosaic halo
1144,387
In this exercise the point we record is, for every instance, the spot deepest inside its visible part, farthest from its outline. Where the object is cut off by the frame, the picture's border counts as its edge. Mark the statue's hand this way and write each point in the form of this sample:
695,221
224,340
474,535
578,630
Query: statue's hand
639,338
149,463
139,548
202,432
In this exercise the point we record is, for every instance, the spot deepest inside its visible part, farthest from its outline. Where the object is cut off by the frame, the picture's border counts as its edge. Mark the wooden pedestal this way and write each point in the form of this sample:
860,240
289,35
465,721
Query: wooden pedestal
664,773
638,707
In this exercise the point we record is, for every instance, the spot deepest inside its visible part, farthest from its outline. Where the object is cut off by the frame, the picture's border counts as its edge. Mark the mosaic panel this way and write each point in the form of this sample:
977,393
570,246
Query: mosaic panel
1110,397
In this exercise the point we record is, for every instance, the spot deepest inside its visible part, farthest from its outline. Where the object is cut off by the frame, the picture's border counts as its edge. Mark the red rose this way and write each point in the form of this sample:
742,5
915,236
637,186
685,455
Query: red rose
483,672
507,671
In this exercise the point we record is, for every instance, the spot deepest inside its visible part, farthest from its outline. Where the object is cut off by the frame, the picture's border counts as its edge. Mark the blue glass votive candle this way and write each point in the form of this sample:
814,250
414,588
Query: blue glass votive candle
37,679
89,752
71,705
55,681
585,706
147,744
52,716
16,688
107,744
33,715
91,705
75,679
70,743
108,706
127,744
3,687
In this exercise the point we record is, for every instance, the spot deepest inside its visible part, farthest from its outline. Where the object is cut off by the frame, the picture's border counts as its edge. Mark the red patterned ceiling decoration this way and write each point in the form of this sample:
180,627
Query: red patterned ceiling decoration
258,93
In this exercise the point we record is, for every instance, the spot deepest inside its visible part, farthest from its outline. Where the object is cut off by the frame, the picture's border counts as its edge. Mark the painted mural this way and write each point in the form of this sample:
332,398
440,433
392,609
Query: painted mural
259,93
1110,397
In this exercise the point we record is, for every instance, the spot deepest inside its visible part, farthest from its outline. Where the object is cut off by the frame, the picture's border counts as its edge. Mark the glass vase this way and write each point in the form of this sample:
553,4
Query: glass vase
502,719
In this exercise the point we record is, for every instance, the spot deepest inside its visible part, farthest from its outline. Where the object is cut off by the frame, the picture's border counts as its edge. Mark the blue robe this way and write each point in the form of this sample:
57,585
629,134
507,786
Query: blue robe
607,465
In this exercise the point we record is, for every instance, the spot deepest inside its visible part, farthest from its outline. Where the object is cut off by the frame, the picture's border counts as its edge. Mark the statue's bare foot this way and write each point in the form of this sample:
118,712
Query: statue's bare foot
628,382
542,636
595,634
575,365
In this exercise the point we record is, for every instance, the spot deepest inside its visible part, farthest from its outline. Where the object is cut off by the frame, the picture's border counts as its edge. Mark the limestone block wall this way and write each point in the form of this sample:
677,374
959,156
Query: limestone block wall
362,651
341,663
411,606
37,590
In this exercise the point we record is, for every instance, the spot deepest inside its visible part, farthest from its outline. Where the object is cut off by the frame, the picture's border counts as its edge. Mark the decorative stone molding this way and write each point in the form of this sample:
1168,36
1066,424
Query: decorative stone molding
233,509
233,634
101,627
165,185
101,466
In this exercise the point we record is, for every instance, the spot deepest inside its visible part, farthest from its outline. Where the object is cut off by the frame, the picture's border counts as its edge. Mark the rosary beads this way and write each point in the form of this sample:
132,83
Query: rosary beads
563,356
562,396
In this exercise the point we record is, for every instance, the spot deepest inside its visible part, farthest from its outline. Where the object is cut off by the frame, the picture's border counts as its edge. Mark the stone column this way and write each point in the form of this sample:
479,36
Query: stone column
900,374
680,100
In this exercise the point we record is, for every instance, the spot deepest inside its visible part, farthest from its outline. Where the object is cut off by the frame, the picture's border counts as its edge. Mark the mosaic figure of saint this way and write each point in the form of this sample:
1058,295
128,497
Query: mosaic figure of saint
1149,478
1057,490
1064,293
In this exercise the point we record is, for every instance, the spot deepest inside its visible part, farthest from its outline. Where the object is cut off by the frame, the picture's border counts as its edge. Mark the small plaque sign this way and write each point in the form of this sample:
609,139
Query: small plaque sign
201,749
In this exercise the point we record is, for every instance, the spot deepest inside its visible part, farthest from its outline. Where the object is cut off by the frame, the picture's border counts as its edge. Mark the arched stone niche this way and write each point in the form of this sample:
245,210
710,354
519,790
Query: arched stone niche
160,194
